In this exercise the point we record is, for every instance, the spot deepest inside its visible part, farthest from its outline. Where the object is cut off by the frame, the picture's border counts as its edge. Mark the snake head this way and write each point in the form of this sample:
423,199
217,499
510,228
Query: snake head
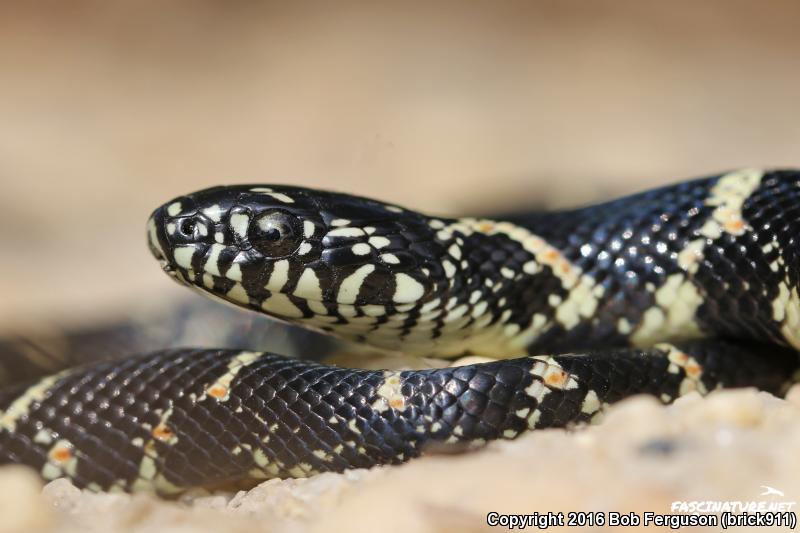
299,254
362,269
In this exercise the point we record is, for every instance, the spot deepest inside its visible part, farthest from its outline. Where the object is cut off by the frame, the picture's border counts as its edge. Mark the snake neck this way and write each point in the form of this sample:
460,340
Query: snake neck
482,287
506,287
474,291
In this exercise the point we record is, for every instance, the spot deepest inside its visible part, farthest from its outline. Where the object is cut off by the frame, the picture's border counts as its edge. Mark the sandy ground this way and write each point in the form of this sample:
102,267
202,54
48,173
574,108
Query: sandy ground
108,109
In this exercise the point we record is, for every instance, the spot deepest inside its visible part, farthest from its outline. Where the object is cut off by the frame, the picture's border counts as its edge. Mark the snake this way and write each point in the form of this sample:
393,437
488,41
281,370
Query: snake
545,318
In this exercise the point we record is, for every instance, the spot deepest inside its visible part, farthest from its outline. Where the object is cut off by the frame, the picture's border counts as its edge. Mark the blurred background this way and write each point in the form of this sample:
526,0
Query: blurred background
109,108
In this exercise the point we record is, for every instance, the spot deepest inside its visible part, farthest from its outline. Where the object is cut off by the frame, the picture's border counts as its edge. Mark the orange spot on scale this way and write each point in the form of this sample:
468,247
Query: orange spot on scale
688,256
485,227
679,357
61,454
564,267
218,391
693,371
397,403
162,432
556,378
551,255
734,225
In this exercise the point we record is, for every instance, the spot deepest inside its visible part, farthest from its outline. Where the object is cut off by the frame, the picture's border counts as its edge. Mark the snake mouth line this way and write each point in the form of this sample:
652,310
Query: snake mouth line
166,267
163,262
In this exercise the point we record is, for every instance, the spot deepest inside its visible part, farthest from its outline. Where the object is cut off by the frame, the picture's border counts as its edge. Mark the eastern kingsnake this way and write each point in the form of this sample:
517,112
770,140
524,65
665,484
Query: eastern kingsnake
685,288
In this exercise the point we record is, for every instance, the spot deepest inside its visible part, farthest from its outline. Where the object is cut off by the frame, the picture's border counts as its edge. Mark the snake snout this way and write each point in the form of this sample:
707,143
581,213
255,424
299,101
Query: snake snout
178,225
157,240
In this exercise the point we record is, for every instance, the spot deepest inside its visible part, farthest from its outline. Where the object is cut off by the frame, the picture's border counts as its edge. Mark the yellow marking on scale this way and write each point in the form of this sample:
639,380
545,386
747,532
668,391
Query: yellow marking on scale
212,263
591,403
149,477
390,393
309,286
786,311
61,460
308,229
351,285
673,315
378,241
280,304
220,389
239,223
346,232
214,213
183,255
407,289
279,275
174,209
693,371
727,196
360,248
35,393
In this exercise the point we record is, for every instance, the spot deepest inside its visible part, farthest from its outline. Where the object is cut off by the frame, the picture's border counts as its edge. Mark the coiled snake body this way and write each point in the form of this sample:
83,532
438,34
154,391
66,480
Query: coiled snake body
686,288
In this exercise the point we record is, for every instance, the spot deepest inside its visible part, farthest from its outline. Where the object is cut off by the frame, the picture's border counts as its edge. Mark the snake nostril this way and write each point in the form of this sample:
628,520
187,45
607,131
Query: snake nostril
187,227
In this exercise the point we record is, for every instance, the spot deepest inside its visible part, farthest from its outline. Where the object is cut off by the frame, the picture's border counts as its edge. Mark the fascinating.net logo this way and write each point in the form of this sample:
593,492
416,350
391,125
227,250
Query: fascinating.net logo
772,505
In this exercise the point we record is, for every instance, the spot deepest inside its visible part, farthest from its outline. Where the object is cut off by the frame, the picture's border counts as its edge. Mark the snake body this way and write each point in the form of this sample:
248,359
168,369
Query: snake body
689,287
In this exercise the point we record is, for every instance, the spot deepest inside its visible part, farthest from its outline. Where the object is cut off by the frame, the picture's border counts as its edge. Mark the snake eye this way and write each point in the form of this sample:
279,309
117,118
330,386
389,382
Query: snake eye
275,233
